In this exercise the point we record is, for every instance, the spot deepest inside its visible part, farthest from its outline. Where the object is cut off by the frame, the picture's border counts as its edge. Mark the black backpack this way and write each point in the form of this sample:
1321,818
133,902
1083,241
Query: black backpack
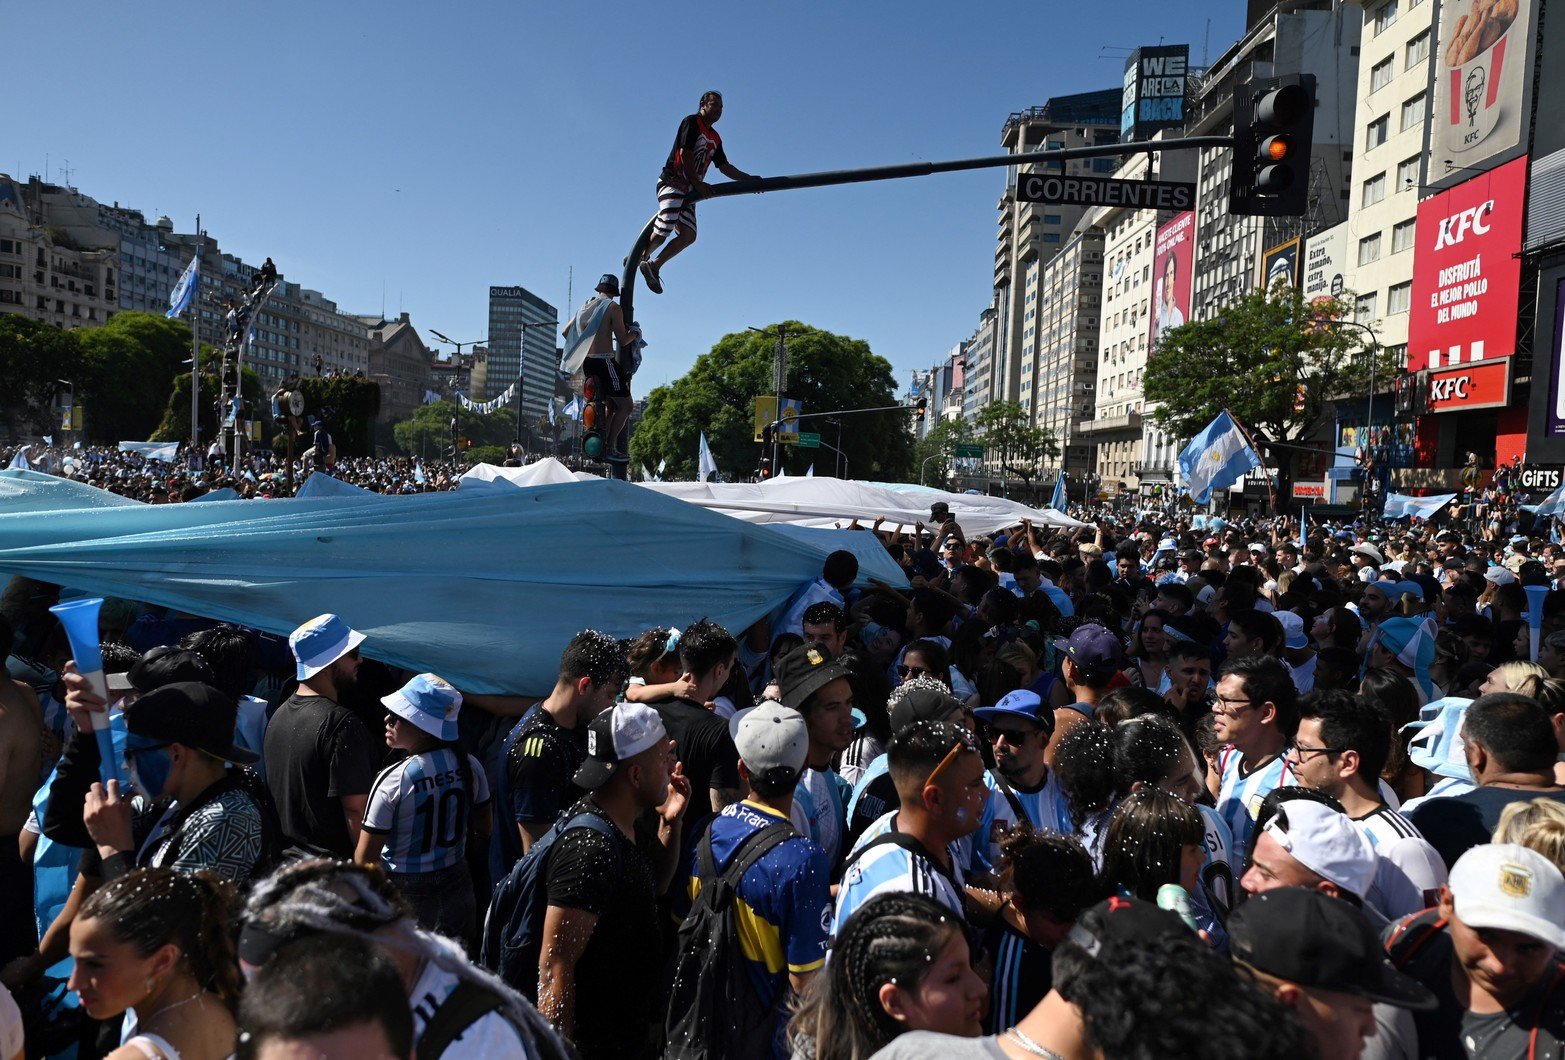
513,927
713,1012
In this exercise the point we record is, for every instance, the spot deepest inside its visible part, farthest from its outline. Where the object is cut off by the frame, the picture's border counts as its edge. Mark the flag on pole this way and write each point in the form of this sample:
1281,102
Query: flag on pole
1304,522
19,462
1058,500
662,467
418,474
1216,458
185,290
707,467
811,472
646,476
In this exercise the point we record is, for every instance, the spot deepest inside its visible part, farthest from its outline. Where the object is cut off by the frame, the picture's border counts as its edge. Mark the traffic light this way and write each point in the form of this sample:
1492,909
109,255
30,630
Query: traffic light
591,440
1274,127
921,408
768,437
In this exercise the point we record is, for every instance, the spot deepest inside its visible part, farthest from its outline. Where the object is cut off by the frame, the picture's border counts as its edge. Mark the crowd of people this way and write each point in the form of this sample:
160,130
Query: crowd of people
1151,788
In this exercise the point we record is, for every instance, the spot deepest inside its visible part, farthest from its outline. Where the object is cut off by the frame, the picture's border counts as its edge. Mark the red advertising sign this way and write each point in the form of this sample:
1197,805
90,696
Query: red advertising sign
1172,264
1309,491
1486,385
1466,273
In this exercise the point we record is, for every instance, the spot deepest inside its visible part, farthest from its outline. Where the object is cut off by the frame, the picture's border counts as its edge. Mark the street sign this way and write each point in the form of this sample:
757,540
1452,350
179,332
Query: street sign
807,440
967,450
1105,191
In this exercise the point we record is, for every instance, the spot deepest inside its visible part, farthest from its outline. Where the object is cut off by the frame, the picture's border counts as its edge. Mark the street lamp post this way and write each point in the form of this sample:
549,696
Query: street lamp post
456,418
70,413
1370,351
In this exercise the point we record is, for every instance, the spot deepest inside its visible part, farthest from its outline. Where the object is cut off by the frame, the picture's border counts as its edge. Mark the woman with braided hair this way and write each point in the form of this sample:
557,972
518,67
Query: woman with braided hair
901,963
154,945
471,1012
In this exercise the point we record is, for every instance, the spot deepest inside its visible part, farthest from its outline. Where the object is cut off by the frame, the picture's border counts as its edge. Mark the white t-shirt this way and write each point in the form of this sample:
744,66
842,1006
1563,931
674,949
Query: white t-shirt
492,1035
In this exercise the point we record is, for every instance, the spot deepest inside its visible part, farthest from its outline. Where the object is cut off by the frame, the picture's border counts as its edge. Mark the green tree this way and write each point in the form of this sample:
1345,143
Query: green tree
428,432
1008,433
129,368
717,395
933,452
1273,360
349,405
34,358
175,424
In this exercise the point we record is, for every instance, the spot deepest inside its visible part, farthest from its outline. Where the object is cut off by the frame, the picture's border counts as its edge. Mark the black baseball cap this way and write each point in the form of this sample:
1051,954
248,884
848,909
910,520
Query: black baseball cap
190,713
1312,939
804,671
163,665
1123,919
921,699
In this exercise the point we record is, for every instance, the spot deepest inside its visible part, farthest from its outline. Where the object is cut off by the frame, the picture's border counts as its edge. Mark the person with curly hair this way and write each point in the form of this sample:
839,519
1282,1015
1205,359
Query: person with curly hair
153,945
901,963
1131,982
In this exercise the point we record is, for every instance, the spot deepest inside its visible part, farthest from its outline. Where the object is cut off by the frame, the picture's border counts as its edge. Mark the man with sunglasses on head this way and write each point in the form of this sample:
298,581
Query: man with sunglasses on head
320,757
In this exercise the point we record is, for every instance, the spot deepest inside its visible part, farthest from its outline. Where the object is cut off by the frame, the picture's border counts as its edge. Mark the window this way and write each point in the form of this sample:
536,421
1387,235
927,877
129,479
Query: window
1380,74
1051,218
1417,50
1366,307
1051,237
1374,189
1369,249
1402,235
1407,174
1385,16
1376,131
1413,112
1399,298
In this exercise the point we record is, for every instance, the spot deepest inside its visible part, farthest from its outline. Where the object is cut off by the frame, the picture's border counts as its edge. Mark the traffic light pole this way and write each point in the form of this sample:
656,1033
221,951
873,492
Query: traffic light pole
762,185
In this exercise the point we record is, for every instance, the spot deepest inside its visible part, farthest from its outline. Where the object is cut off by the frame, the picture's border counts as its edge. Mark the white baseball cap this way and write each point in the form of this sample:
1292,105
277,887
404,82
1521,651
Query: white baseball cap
616,735
1511,888
771,737
1325,842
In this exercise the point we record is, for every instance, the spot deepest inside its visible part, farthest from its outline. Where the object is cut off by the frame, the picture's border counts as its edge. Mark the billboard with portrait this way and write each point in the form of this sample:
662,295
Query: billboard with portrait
1173,258
1483,78
1466,270
1280,264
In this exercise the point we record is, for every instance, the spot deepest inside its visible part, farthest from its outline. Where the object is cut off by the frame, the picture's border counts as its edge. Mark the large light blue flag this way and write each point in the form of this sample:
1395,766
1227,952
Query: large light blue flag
1058,500
185,290
1216,458
1404,506
1552,505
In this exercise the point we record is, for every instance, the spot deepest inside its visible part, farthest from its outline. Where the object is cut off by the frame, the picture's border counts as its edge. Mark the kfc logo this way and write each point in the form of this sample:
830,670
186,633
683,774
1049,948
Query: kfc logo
1454,229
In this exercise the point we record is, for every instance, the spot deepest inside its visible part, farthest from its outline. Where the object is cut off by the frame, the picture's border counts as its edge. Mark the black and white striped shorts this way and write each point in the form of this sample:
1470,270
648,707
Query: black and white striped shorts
673,210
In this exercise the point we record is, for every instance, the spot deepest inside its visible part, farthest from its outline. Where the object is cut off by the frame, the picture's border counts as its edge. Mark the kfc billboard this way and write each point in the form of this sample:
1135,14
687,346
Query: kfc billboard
1466,273
1172,261
1483,77
1473,386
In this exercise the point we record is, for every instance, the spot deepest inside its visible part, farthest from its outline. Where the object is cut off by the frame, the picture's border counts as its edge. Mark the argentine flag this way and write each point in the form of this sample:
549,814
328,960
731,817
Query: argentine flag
1216,459
1057,500
706,466
185,290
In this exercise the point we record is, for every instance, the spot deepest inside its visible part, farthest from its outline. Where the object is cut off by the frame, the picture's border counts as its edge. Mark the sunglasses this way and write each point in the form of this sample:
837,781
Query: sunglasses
992,733
908,671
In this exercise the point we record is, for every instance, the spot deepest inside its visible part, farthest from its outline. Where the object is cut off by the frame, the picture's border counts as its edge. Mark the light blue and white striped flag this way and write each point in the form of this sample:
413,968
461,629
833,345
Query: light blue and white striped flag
706,466
418,474
185,290
1058,500
1216,458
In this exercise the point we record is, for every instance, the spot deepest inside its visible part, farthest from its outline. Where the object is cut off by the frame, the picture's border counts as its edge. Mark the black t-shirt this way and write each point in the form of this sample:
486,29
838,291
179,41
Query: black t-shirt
1023,974
317,752
1454,824
543,759
878,798
697,141
703,745
616,978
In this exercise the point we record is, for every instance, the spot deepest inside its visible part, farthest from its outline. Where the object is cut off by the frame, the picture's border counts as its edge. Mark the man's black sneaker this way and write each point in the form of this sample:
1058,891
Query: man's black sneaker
649,272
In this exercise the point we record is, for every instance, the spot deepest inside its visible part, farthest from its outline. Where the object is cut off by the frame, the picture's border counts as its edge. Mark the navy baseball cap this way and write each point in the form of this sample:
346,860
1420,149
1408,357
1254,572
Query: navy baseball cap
1093,647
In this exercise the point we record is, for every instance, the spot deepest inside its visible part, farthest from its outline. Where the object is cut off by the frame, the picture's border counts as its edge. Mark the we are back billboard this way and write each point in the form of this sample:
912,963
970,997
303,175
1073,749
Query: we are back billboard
1466,275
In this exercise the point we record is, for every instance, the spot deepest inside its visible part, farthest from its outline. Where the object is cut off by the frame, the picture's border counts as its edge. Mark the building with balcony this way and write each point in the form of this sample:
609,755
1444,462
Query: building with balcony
46,272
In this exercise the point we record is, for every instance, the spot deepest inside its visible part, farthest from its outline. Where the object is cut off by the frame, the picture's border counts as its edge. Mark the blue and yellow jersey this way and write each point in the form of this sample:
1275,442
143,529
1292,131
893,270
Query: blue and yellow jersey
784,906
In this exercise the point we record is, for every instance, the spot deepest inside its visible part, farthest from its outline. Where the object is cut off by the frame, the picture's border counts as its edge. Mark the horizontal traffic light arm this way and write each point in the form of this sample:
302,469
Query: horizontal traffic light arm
842,412
911,169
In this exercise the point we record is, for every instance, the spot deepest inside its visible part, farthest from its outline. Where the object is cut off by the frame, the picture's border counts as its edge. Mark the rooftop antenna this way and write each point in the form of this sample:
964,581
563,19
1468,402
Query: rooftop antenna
1206,44
65,171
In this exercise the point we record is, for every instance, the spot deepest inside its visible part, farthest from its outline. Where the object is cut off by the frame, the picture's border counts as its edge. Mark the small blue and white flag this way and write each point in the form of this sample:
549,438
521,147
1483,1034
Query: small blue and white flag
185,290
1304,523
19,462
646,476
430,397
551,412
811,472
1217,458
1057,499
662,467
574,409
706,466
418,474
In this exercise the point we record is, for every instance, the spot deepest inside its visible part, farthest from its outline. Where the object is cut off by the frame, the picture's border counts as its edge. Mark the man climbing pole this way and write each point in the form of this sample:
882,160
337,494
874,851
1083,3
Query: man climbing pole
696,147
591,339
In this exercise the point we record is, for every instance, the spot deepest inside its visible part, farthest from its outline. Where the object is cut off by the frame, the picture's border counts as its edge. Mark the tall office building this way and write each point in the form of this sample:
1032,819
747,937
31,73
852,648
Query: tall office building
522,332
1031,234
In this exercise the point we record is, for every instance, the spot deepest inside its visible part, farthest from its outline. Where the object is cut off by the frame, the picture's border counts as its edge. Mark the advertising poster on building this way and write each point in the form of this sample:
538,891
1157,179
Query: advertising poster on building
1325,258
1483,74
1172,260
1466,273
1556,417
1280,264
1154,93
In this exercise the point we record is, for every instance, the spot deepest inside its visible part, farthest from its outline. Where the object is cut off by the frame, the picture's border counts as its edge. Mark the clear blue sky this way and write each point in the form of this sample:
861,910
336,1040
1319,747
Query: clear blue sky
429,150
